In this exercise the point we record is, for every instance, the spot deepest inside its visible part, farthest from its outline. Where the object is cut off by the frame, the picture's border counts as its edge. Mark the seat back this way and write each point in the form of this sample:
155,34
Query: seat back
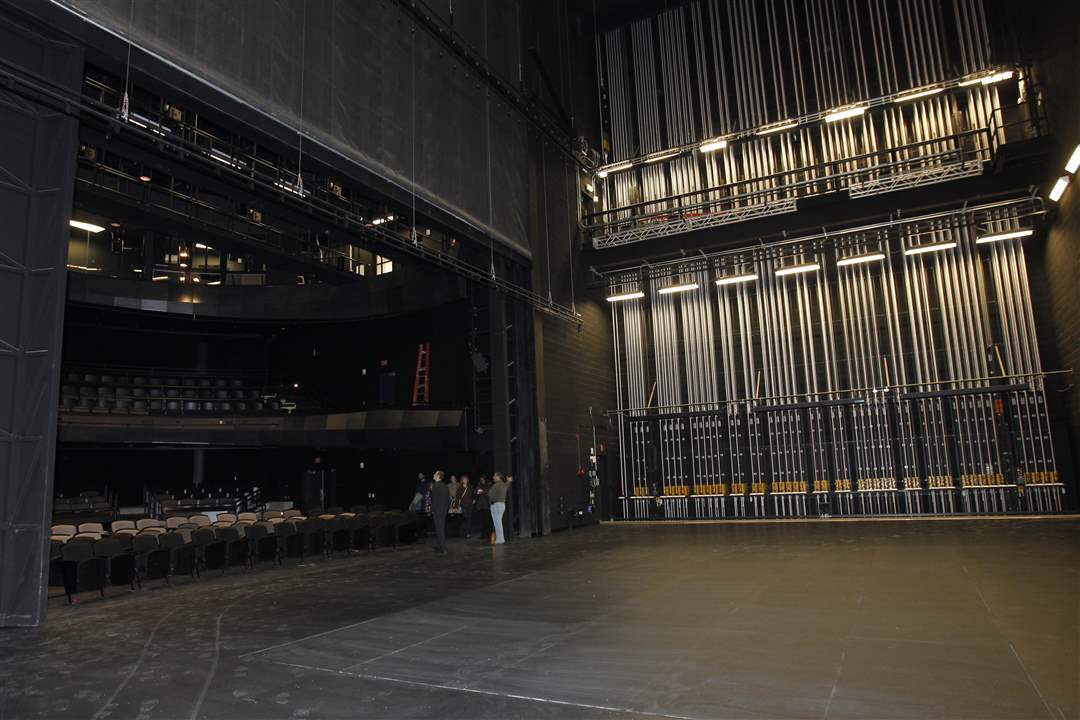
109,547
223,523
175,522
86,536
291,513
271,514
228,534
255,532
199,520
59,538
153,531
118,525
77,552
142,523
147,542
171,541
203,536
247,517
64,530
226,517
92,527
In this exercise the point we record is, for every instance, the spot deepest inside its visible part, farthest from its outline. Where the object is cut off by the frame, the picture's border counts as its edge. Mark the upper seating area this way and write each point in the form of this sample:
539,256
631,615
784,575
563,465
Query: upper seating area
168,393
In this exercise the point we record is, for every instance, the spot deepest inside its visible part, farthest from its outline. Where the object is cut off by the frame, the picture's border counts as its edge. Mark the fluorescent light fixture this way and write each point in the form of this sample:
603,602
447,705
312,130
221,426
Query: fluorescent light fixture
989,79
734,279
710,145
934,247
183,265
860,259
88,227
777,128
918,94
159,278
677,288
215,282
796,269
603,172
200,246
1005,236
1059,188
658,158
844,113
1074,161
625,296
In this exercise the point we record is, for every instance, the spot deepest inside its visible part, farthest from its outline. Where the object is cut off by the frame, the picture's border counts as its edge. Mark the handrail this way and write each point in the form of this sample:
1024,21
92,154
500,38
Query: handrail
782,188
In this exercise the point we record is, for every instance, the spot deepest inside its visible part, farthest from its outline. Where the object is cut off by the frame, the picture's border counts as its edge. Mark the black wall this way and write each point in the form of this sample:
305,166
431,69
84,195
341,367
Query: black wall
1046,32
37,165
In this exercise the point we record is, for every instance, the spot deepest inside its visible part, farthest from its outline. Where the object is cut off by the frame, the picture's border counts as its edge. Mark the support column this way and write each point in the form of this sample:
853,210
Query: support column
37,169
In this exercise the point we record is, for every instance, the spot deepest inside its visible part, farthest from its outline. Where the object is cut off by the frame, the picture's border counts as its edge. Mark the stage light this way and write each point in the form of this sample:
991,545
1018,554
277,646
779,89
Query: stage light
844,113
158,278
625,296
1074,161
987,79
658,158
796,269
777,128
733,279
603,172
1004,236
184,253
935,247
196,279
677,288
144,178
710,145
918,94
860,259
183,264
1059,188
88,227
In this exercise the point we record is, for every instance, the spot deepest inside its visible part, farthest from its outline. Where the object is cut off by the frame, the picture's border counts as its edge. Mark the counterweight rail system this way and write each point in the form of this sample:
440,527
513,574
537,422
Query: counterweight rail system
880,382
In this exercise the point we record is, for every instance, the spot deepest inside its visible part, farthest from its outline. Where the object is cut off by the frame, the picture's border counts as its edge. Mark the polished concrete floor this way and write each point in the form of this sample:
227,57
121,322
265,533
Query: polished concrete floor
918,619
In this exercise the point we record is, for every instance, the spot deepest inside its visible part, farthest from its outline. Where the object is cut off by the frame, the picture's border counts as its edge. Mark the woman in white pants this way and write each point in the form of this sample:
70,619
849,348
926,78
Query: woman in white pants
497,494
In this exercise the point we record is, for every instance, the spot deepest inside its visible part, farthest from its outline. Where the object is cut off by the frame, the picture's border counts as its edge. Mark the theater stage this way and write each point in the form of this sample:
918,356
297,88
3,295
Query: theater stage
965,618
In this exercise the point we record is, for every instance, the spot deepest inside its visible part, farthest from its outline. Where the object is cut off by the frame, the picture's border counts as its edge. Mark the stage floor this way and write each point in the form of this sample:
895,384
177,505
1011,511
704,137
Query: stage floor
965,619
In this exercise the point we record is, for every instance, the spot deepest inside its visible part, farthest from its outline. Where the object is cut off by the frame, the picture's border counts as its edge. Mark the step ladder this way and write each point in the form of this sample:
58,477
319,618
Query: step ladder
420,390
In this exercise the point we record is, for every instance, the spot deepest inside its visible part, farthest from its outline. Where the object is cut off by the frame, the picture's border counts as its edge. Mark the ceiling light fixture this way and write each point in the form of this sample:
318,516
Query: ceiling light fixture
1074,161
734,279
935,247
625,296
918,94
844,113
710,145
777,128
88,227
158,278
678,288
1059,188
860,259
797,269
1005,236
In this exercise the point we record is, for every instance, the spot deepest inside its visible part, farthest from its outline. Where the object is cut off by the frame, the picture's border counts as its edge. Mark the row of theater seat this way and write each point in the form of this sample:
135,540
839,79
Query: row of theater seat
109,394
91,559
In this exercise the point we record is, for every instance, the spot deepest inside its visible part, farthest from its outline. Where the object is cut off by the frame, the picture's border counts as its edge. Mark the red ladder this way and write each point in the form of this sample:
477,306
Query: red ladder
420,388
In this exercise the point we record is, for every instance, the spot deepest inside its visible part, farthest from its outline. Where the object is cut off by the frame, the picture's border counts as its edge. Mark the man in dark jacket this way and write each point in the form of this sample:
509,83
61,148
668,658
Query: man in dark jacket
440,505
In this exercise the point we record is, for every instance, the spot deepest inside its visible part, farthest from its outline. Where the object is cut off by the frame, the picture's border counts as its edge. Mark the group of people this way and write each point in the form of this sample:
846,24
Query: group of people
483,503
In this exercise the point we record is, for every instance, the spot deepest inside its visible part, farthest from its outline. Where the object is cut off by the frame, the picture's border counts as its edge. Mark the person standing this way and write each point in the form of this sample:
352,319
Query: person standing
440,505
453,486
466,497
483,507
497,494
